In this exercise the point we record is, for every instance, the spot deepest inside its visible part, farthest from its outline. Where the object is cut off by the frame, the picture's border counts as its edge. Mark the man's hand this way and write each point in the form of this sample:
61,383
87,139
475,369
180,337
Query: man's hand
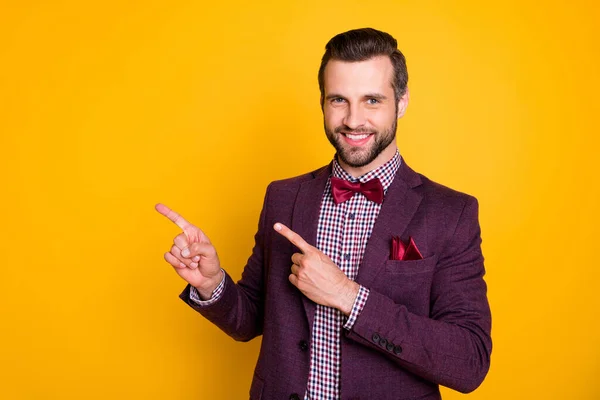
317,277
192,255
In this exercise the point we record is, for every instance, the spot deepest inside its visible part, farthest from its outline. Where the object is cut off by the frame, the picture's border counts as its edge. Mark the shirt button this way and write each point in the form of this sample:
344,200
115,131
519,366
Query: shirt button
347,256
303,345
376,338
397,350
351,216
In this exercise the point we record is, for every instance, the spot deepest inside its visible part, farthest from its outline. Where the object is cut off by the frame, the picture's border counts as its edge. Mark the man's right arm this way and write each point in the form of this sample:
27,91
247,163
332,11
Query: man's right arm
238,308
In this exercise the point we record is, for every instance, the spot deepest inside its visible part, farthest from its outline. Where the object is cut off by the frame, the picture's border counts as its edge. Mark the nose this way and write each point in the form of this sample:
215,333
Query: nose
355,117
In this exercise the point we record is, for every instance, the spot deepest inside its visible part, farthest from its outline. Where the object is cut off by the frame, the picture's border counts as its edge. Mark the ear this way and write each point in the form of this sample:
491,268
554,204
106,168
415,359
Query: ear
403,103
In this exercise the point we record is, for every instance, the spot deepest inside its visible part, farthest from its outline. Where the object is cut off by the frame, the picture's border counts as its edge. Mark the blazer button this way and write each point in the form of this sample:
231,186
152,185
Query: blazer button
303,345
376,338
390,346
383,343
397,350
294,396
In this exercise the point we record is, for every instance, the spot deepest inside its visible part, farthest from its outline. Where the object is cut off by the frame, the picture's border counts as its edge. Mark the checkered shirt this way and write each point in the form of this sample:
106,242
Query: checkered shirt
342,234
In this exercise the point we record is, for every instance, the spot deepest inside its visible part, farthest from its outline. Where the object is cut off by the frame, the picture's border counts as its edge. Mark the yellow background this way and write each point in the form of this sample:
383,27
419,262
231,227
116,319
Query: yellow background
109,107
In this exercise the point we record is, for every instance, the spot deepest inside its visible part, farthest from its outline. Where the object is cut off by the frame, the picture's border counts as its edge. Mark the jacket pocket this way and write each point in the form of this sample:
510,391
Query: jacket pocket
409,283
411,267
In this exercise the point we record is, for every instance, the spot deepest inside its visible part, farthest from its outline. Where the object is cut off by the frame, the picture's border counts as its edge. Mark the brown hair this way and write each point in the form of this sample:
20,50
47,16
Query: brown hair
361,45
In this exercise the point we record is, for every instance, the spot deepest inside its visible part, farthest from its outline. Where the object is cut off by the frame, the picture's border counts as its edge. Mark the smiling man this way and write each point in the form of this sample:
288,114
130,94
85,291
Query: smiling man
366,278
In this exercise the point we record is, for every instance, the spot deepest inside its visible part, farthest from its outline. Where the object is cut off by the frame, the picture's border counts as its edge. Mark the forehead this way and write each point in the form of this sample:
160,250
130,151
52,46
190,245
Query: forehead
375,74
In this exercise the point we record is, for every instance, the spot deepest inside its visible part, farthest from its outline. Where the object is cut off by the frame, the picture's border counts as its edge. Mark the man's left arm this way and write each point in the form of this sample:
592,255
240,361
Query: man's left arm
452,346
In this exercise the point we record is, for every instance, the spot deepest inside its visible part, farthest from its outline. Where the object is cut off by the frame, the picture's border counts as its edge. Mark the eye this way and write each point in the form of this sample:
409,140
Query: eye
337,100
372,101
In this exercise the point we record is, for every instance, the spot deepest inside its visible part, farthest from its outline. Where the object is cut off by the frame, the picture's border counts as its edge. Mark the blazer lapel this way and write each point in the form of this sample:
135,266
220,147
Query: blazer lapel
399,206
306,218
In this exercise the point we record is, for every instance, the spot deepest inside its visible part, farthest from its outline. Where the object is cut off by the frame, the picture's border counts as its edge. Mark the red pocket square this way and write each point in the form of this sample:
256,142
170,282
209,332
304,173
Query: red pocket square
403,252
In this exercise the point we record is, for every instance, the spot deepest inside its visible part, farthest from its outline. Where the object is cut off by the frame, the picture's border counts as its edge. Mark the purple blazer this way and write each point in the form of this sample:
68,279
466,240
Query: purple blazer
434,311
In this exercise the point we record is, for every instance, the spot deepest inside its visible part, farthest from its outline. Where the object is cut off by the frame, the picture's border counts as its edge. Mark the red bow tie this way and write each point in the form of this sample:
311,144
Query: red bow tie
343,190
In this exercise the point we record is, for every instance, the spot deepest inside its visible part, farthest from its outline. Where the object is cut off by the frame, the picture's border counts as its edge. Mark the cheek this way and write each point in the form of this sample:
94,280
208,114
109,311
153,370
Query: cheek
332,117
382,118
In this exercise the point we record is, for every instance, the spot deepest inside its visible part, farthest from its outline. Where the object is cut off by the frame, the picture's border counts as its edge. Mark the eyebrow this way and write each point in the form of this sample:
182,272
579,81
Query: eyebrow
377,96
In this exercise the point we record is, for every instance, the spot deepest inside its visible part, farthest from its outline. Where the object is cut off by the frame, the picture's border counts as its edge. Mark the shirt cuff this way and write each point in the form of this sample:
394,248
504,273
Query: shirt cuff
359,304
216,294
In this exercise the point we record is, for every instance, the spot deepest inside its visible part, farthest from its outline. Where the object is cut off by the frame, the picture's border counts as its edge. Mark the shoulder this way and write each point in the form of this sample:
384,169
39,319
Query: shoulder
443,195
284,195
447,211
436,197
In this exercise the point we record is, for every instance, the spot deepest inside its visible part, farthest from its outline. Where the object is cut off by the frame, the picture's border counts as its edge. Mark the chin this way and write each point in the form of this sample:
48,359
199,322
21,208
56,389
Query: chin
358,159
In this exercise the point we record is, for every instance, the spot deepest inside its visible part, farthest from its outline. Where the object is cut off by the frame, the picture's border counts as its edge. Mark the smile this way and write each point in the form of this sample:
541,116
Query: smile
357,137
357,140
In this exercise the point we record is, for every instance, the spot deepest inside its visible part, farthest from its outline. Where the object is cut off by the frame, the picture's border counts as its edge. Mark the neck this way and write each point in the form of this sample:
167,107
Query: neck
386,155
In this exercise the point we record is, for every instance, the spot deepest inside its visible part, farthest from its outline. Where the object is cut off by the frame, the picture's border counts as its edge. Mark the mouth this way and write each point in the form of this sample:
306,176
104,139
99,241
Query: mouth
357,139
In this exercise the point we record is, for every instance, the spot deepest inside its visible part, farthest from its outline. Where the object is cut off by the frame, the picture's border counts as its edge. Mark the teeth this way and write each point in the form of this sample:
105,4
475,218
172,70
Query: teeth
357,137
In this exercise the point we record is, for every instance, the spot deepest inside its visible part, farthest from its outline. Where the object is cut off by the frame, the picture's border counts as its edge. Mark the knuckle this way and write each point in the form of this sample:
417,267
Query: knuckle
211,250
180,239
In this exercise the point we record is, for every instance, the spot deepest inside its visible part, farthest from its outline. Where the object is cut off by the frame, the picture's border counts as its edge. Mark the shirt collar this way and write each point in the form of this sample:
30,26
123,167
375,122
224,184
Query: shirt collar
385,173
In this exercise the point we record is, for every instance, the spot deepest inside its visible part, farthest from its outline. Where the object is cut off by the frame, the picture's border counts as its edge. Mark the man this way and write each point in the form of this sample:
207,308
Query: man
366,278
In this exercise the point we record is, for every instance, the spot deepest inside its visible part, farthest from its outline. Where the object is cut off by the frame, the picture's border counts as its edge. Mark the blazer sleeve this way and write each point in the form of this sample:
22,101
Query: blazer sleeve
239,310
452,347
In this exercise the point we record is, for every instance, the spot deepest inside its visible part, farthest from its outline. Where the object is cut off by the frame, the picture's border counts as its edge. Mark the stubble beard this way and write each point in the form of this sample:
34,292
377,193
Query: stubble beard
355,156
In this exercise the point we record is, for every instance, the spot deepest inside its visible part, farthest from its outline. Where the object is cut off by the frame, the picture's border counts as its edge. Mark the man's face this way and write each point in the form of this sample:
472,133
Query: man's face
360,111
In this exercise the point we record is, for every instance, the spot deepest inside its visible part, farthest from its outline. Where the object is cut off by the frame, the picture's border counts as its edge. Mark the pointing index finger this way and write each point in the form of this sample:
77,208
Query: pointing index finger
173,216
293,237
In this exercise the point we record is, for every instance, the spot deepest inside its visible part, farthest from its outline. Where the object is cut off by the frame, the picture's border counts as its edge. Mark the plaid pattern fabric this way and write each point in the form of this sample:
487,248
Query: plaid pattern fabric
342,234
216,294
